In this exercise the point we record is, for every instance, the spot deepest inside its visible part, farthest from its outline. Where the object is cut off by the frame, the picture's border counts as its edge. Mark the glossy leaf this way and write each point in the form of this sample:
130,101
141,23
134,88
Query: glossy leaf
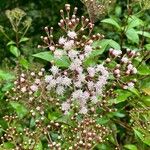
111,22
132,35
14,50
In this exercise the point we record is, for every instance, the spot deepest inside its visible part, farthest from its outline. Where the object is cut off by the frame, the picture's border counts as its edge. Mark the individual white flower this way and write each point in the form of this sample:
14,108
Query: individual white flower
91,71
58,54
72,66
116,71
72,54
66,81
22,79
81,56
40,73
60,90
124,60
62,40
32,74
130,67
59,80
72,34
100,68
54,70
130,85
76,94
134,70
94,99
37,81
90,85
23,89
102,80
65,106
77,61
69,45
52,48
83,110
79,70
81,77
48,78
85,95
34,87
52,83
43,69
78,84
87,50
116,53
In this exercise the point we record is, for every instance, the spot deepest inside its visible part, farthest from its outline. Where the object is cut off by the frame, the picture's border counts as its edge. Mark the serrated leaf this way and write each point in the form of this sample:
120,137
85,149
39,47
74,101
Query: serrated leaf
5,75
24,39
11,43
144,139
24,63
62,62
134,91
8,145
144,33
143,69
14,50
132,35
146,100
114,44
102,120
133,21
112,22
147,46
45,56
38,146
122,96
130,147
19,108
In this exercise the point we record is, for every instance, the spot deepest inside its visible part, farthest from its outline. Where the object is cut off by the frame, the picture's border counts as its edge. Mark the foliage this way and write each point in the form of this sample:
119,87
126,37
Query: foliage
90,88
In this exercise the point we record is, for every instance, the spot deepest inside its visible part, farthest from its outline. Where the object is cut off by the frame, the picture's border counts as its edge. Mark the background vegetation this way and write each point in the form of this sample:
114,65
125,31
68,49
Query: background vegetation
125,25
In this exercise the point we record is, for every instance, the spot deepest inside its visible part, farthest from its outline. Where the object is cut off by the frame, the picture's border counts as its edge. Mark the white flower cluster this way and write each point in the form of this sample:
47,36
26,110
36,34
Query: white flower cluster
83,84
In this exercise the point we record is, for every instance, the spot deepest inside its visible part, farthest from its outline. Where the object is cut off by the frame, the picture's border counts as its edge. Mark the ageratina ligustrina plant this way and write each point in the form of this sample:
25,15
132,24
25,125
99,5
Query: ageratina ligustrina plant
73,104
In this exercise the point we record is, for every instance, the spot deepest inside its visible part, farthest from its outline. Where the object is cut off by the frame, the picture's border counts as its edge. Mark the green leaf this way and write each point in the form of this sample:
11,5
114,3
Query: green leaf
139,134
114,44
144,33
143,69
102,120
133,21
14,50
130,147
134,91
24,63
48,56
24,39
38,146
112,22
11,43
92,59
146,90
5,75
45,56
147,46
146,100
122,96
19,108
62,62
144,139
132,35
8,145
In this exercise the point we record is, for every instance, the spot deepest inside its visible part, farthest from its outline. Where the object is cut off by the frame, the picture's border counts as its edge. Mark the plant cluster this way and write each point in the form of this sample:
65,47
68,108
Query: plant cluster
84,100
